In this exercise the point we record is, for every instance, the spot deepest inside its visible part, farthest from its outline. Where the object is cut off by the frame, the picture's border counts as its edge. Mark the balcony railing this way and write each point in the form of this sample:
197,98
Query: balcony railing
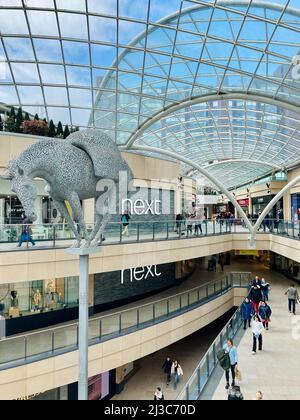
60,235
40,345
201,375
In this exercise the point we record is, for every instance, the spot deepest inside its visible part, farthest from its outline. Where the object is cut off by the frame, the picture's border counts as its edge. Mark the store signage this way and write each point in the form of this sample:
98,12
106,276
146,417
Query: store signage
206,199
141,207
141,273
244,202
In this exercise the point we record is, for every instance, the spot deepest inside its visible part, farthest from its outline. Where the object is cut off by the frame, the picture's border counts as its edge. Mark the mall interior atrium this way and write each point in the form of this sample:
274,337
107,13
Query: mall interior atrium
149,200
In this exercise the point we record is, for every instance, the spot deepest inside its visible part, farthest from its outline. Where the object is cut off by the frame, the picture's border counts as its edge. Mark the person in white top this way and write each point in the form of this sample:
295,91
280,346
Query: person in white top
257,329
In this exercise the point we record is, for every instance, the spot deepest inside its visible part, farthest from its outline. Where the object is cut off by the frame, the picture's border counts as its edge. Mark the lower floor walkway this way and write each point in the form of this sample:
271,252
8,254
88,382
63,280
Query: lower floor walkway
190,350
276,370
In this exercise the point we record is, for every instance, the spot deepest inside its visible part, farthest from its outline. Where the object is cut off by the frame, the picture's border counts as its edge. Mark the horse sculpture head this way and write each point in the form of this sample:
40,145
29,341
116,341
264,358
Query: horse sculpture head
23,186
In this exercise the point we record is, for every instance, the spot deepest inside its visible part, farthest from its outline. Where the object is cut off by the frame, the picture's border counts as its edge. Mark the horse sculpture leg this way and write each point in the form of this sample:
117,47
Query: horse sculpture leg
62,208
102,218
78,214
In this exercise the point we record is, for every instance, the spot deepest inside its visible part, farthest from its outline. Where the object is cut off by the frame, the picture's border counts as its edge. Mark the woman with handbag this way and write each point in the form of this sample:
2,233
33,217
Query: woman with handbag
231,350
176,372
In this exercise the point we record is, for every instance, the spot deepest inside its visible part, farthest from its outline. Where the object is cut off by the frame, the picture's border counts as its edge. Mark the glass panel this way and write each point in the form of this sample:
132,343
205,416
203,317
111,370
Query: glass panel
69,21
25,73
48,50
94,329
174,304
193,297
194,387
128,319
161,309
146,314
65,337
19,49
184,300
43,23
56,96
39,343
52,74
13,22
110,325
11,350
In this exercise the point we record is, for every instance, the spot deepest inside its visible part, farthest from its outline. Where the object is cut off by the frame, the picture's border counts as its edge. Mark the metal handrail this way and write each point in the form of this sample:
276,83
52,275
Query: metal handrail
98,318
208,352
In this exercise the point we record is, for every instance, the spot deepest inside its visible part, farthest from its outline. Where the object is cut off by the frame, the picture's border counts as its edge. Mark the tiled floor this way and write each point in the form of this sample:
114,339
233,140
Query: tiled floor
276,370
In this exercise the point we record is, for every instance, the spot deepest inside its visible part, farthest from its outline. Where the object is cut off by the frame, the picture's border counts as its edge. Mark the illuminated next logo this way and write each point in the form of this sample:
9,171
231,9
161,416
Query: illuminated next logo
141,273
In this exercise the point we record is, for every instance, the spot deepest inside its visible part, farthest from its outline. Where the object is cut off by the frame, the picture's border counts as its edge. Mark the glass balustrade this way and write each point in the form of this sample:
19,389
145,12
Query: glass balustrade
62,339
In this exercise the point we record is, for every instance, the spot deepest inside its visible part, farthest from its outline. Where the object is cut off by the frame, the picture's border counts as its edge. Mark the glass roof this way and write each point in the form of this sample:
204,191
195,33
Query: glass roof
117,64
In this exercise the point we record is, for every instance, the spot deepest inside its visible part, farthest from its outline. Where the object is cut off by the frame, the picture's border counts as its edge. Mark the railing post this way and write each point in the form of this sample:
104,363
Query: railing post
121,233
100,329
215,288
214,227
153,313
180,301
207,291
168,306
167,230
187,390
54,236
25,347
120,323
53,341
205,223
153,237
222,286
207,365
138,232
214,354
199,380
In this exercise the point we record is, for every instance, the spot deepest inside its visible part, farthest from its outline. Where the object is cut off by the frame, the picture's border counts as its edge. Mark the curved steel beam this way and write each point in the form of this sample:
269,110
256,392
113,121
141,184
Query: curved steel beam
254,162
269,207
202,170
206,98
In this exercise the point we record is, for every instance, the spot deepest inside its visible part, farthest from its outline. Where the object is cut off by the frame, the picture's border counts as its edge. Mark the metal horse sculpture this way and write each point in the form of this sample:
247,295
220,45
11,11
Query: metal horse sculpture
72,169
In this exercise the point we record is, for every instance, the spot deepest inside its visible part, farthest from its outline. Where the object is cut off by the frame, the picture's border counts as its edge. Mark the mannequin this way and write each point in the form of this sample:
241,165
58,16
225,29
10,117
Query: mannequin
14,299
37,298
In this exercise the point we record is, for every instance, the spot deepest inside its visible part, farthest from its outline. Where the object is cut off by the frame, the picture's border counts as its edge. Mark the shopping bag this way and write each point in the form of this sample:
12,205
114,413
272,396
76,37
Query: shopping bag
238,374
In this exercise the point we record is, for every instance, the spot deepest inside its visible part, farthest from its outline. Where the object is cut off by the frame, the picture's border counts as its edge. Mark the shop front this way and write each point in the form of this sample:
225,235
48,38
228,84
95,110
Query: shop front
244,203
260,203
289,268
295,207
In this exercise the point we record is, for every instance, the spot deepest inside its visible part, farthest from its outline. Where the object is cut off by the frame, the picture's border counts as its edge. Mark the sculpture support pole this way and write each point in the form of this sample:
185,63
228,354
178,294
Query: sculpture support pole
83,332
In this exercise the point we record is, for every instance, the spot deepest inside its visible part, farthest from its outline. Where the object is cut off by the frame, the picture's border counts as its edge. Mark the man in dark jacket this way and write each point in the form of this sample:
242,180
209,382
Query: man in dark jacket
247,312
167,367
255,296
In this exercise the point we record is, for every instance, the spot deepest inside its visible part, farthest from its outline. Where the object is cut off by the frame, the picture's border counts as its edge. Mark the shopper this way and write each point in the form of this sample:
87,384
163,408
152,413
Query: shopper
256,282
176,372
265,313
26,233
167,367
247,312
231,350
235,394
179,224
125,222
257,330
293,298
159,396
222,261
255,296
190,220
265,289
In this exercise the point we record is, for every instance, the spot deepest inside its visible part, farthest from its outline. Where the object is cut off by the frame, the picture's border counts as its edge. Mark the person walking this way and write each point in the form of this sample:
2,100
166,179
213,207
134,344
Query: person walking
255,296
176,372
265,313
199,219
293,298
158,396
247,312
231,350
26,233
222,261
125,222
167,367
259,396
265,289
179,224
257,330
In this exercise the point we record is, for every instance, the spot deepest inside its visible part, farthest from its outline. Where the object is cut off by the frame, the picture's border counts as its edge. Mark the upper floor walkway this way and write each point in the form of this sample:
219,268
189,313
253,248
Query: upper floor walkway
158,243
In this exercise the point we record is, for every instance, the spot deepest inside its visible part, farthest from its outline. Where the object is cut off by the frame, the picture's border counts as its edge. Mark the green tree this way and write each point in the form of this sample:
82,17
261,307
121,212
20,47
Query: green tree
52,129
66,132
10,124
1,124
19,120
36,117
26,117
60,131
